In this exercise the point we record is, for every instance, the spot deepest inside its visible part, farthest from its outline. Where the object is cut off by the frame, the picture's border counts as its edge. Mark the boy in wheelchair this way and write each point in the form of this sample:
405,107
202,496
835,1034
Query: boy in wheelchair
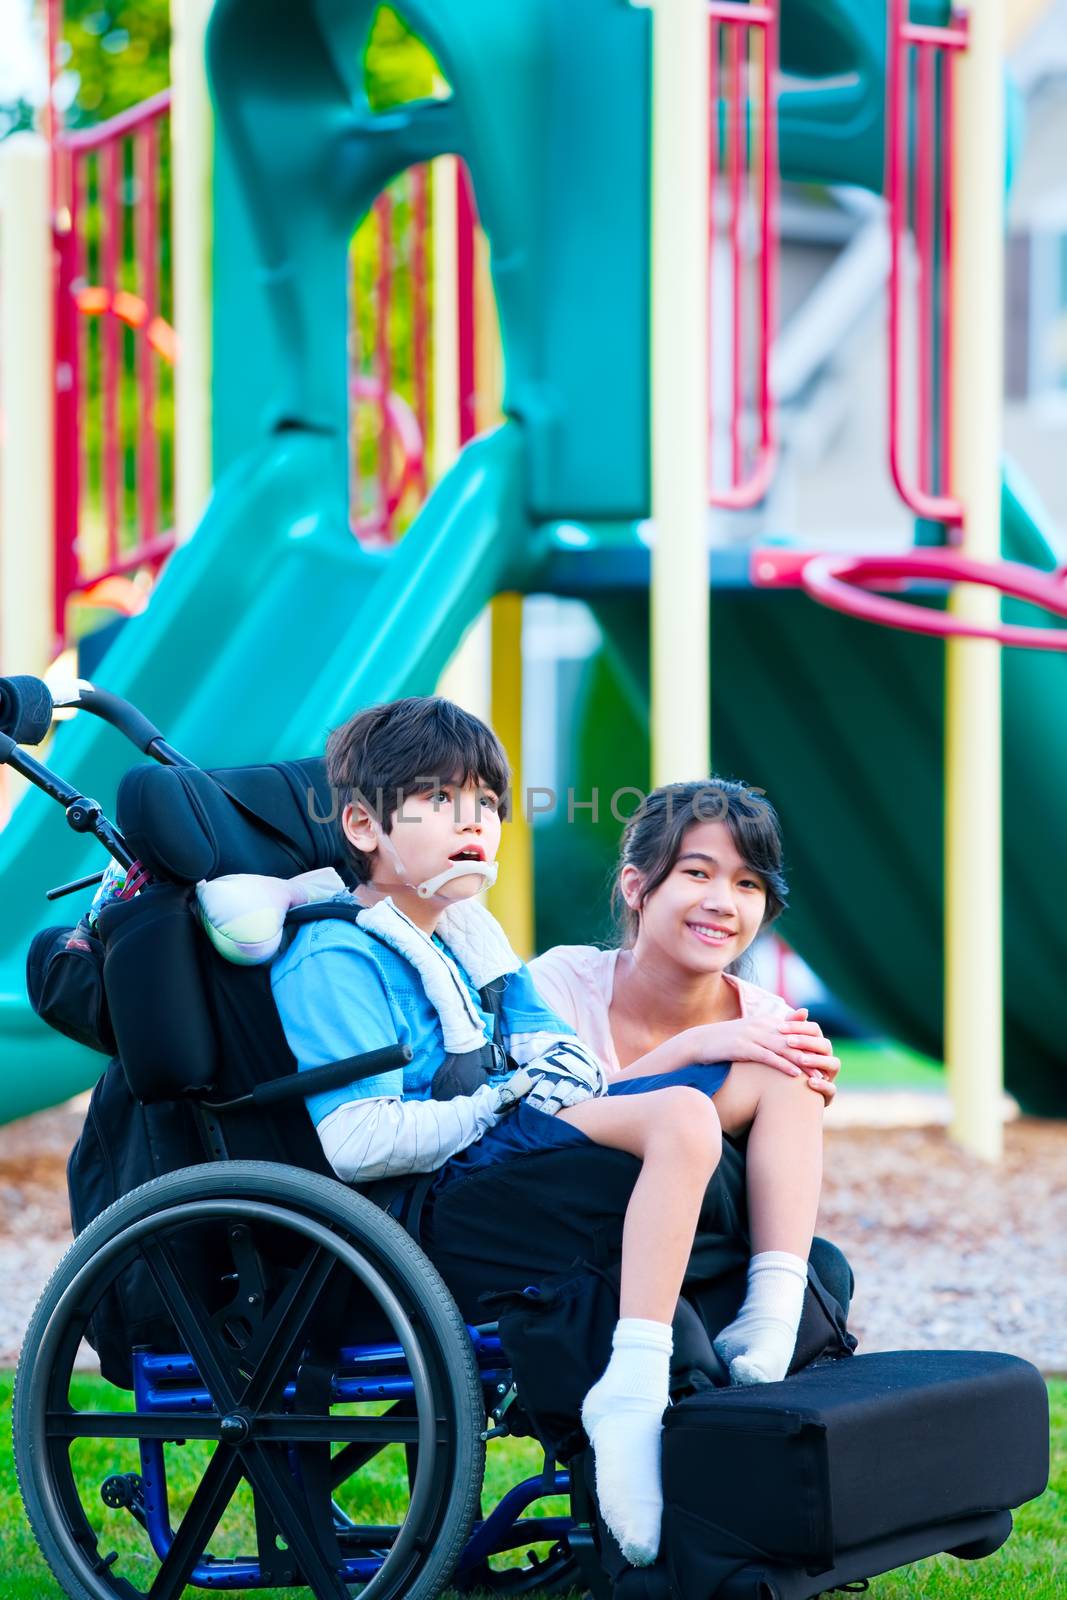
422,788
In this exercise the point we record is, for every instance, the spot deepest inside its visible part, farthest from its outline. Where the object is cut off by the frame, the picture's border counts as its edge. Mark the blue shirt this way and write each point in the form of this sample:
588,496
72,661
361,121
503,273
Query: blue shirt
340,992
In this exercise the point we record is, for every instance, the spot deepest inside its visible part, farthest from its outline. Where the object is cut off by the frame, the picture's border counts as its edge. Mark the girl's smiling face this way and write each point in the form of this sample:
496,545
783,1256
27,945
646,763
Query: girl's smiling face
709,907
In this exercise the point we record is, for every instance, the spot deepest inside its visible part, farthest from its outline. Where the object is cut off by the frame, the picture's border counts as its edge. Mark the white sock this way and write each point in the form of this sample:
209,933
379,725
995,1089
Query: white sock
623,1417
758,1345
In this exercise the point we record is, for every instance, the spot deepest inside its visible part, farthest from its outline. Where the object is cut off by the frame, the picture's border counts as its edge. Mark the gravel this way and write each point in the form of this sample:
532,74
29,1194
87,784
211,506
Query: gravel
948,1252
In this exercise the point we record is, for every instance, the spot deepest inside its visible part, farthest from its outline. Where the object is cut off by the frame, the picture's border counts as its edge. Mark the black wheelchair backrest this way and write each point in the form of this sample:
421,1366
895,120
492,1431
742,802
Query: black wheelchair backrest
185,824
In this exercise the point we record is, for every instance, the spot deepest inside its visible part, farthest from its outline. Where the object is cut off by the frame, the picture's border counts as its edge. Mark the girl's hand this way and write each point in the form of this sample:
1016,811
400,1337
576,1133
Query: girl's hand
808,1038
790,1044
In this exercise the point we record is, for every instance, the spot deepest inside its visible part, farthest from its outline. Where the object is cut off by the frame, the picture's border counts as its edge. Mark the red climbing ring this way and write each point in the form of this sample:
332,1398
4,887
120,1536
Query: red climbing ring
834,581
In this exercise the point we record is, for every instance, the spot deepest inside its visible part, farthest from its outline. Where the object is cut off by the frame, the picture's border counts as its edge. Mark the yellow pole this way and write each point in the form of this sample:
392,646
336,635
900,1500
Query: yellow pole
467,676
512,899
679,601
191,160
973,830
26,393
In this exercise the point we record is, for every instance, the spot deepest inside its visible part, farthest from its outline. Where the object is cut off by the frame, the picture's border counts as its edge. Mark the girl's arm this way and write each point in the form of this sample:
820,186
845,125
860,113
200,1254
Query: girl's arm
680,1051
767,1041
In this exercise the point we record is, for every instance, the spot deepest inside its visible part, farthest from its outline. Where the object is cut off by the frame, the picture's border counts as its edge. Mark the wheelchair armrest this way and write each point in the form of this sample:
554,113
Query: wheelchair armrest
297,1085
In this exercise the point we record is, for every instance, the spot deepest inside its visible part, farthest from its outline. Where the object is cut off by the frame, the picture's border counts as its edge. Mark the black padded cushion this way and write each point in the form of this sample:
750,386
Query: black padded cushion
185,824
846,1453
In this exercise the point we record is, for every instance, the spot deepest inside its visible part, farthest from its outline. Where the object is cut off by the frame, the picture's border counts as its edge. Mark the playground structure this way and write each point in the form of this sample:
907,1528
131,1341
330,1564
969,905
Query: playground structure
593,211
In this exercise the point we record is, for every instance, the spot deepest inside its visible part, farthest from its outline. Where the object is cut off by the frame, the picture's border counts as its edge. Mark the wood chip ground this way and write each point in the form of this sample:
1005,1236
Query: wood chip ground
947,1252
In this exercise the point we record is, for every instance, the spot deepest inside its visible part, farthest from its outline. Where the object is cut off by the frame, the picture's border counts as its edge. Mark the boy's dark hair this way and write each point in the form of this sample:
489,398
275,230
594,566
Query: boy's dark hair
652,841
404,747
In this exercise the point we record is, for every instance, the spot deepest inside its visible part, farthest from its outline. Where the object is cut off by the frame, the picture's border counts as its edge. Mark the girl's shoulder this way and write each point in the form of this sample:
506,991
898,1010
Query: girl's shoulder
757,1001
569,975
576,956
585,962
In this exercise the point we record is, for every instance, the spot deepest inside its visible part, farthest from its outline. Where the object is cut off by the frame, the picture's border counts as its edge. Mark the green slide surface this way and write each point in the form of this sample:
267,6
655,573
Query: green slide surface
264,630
842,724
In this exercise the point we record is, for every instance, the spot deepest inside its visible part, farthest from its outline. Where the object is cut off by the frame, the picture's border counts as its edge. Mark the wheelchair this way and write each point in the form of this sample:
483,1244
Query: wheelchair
297,1400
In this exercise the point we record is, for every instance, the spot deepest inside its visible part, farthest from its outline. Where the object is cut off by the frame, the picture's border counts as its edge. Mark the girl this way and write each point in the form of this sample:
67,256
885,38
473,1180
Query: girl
700,875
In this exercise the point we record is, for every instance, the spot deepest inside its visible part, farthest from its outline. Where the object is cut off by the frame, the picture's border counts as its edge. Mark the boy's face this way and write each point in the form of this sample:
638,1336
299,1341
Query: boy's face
432,828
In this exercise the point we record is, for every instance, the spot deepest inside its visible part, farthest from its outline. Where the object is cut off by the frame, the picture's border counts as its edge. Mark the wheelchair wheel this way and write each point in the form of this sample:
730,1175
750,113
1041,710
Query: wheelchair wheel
283,1472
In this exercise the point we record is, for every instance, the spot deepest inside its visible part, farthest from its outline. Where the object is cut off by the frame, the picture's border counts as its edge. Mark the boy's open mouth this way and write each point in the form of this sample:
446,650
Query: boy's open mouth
468,853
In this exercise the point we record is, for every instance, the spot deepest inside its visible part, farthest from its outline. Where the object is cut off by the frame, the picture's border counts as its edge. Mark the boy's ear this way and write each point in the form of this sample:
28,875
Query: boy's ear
359,828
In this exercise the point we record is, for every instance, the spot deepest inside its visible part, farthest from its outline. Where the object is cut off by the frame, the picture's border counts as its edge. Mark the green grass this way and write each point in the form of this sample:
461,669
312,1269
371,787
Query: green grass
1026,1566
883,1064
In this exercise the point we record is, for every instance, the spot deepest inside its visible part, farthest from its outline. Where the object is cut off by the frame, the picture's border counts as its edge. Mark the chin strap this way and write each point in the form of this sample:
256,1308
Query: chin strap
429,887
459,869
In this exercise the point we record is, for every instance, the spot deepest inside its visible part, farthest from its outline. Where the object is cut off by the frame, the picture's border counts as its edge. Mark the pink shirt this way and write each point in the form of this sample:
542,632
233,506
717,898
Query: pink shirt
576,980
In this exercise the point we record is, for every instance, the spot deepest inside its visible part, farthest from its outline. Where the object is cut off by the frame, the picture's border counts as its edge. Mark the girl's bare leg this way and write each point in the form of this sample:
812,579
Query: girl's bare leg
783,1160
675,1133
784,1176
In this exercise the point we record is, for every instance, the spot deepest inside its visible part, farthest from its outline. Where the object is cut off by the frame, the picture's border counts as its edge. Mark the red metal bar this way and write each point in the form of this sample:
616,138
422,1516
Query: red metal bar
940,507
713,186
738,105
746,488
355,369
147,157
383,211
925,245
465,223
948,70
147,554
768,239
66,467
952,38
110,253
118,126
420,314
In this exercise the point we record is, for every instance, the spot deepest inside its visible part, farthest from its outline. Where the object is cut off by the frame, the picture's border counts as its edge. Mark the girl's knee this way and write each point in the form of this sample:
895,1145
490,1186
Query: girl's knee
769,1082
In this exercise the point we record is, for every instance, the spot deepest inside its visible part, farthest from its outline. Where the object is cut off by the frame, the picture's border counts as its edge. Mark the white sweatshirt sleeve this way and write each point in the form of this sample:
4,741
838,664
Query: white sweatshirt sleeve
387,1138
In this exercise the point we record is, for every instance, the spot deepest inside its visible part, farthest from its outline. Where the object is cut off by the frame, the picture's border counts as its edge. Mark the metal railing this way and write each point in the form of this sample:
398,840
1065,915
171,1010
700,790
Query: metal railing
114,348
390,377
743,45
919,189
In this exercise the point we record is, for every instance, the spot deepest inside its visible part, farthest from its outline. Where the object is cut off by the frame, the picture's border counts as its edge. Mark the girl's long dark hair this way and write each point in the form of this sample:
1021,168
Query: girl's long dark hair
652,841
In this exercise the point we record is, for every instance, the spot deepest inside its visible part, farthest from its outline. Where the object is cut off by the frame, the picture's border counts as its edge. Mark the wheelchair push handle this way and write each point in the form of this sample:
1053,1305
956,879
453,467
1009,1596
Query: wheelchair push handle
25,709
27,706
111,708
336,1075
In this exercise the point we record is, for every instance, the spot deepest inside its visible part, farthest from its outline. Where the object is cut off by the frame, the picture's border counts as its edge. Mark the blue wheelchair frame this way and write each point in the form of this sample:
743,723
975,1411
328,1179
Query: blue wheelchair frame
170,1383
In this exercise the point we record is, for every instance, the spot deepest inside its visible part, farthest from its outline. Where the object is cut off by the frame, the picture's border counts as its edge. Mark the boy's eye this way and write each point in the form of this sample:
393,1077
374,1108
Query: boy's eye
491,801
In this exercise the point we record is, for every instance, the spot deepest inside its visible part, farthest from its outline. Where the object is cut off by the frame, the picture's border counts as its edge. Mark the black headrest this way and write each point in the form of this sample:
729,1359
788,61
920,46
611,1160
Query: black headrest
185,824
